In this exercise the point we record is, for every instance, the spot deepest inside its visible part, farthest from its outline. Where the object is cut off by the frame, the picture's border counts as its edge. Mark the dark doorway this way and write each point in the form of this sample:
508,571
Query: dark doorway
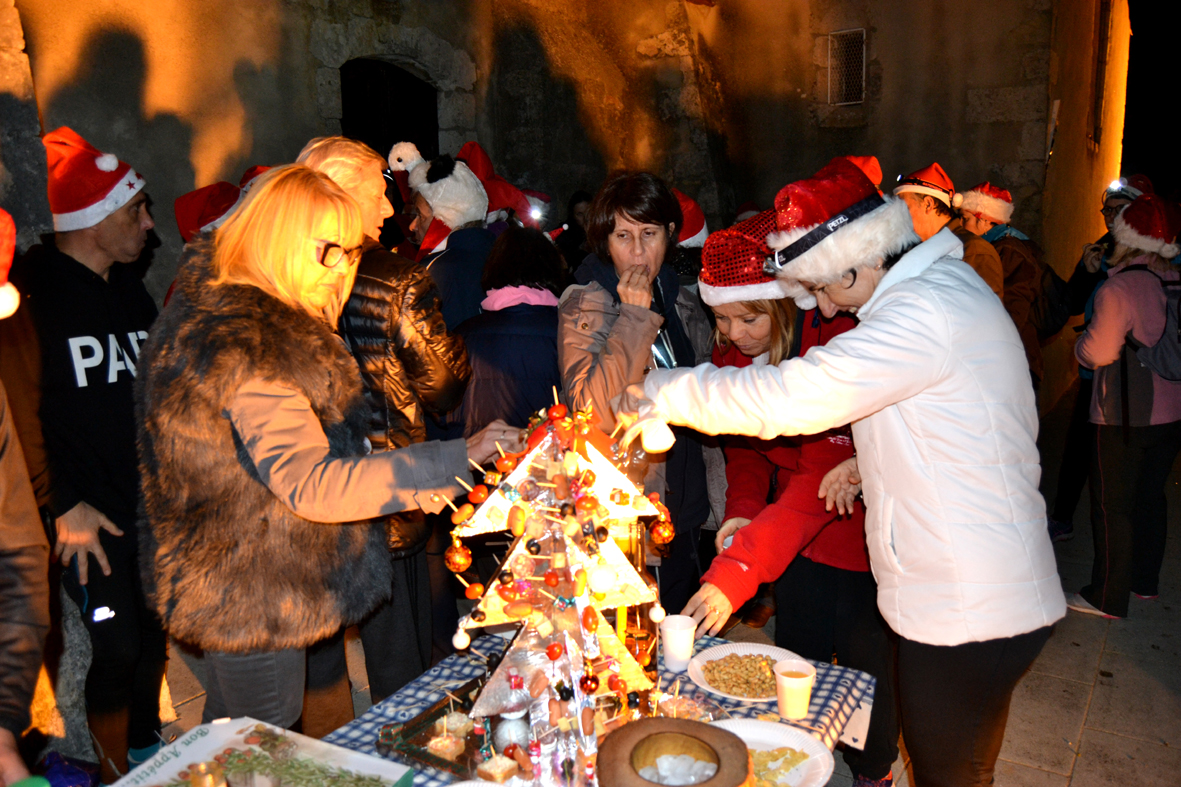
382,105
1148,135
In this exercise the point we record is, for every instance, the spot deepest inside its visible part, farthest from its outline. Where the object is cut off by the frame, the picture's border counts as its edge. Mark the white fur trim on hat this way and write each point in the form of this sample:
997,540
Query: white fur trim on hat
800,294
404,157
127,187
994,209
881,233
771,290
698,240
457,199
1126,235
952,201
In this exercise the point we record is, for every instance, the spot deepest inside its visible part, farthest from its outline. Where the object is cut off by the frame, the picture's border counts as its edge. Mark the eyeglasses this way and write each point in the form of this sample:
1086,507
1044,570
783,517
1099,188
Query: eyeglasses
1111,211
332,254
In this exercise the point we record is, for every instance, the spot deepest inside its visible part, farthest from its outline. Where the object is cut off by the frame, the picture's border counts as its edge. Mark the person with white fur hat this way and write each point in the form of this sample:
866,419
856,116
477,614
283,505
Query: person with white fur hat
935,384
931,198
1137,412
449,207
90,314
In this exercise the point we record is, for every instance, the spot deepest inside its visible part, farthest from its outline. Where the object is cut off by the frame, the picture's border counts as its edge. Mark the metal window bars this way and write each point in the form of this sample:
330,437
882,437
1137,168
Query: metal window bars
846,67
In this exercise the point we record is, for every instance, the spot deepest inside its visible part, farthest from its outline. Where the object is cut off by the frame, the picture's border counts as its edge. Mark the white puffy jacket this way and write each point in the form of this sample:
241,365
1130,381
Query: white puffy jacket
936,385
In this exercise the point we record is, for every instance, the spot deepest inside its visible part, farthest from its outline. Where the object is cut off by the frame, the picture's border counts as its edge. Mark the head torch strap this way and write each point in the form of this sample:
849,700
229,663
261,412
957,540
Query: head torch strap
776,262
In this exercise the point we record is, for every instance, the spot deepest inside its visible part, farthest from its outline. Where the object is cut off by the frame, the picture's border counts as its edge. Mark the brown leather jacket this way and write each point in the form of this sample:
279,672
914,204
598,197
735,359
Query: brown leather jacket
1022,266
410,363
981,257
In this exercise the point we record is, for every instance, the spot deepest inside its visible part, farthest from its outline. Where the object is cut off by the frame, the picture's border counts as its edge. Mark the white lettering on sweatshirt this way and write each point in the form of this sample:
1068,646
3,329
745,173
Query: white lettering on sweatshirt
87,353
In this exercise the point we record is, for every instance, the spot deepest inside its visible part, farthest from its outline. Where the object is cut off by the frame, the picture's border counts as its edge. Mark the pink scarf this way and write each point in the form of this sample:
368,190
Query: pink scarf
515,296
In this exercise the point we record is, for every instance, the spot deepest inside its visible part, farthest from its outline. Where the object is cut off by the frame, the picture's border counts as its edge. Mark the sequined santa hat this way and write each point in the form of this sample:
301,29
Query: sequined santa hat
932,181
693,230
206,208
989,201
1151,223
831,223
10,299
732,265
85,185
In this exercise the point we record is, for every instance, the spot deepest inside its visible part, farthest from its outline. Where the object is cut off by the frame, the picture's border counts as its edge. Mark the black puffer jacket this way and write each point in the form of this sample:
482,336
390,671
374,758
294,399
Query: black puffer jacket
410,364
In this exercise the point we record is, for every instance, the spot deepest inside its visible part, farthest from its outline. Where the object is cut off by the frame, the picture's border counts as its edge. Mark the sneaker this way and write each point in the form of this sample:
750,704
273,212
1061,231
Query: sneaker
1079,604
1059,530
861,781
1146,596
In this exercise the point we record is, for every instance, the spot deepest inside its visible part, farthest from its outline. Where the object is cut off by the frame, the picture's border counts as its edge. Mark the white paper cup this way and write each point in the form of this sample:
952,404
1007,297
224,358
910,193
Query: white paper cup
793,685
677,635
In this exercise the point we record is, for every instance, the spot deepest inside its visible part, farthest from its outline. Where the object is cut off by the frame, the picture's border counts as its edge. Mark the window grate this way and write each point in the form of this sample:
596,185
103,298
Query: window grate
846,67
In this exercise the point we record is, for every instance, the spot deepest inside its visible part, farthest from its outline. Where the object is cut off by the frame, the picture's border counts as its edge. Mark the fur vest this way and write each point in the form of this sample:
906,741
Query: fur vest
225,562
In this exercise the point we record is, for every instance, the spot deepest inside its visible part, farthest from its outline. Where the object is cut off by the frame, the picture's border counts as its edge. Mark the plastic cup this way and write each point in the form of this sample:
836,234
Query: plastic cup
793,685
677,634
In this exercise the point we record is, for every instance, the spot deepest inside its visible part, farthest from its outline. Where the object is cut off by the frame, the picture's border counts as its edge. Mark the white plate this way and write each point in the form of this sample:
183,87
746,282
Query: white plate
767,735
697,664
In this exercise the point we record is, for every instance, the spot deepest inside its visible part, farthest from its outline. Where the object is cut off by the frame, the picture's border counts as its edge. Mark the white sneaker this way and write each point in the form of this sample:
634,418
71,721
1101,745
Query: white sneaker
1079,604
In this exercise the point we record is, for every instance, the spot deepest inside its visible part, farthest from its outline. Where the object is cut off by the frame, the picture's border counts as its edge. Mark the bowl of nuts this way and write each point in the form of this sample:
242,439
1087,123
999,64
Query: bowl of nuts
738,670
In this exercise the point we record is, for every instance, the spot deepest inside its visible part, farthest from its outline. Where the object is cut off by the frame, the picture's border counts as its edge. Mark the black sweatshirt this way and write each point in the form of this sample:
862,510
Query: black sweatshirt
90,332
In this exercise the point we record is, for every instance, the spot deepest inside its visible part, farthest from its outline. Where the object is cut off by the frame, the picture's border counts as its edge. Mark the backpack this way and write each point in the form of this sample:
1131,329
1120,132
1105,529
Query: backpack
1050,310
1164,357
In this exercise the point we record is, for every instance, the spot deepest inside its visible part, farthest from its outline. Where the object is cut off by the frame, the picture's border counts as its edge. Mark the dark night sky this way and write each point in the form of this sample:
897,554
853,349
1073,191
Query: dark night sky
1150,126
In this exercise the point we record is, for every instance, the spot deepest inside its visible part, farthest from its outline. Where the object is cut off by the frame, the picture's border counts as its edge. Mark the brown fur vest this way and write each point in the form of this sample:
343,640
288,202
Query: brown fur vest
225,562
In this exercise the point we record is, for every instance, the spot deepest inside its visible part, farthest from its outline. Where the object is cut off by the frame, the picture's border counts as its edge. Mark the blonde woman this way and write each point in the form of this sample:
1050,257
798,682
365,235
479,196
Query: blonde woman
259,496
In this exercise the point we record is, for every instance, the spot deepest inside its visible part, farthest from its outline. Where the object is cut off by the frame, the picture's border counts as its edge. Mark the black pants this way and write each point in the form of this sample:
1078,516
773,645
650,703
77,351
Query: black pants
825,611
1128,511
396,637
679,574
955,703
127,639
1076,455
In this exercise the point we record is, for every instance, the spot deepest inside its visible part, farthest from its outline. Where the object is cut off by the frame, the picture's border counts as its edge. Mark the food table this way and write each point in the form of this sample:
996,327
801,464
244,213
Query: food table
836,695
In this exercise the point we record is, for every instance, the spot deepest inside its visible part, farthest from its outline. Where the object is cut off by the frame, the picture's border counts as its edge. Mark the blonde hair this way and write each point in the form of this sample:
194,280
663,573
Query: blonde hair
1154,261
782,312
265,242
340,158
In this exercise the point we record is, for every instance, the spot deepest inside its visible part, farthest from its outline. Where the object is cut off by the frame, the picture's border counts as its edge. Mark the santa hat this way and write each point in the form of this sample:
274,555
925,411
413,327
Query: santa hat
745,211
502,195
10,299
989,201
453,191
249,176
206,209
1151,223
732,265
870,166
85,185
693,230
1129,188
931,180
833,222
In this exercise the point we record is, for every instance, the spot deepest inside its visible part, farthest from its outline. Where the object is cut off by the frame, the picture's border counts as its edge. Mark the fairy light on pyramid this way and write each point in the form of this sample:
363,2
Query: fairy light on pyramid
566,504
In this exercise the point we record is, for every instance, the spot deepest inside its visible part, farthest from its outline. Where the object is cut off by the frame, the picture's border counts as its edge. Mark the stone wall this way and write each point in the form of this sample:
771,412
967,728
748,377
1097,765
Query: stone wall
22,157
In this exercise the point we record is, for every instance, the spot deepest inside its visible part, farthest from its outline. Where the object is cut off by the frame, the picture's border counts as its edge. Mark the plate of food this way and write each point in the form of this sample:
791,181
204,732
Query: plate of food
738,670
782,756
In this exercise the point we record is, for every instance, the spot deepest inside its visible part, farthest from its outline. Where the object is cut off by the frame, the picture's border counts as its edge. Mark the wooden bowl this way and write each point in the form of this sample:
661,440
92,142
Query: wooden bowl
637,745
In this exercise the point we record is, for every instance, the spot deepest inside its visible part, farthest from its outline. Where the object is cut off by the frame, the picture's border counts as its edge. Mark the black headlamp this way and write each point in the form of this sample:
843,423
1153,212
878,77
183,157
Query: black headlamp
776,262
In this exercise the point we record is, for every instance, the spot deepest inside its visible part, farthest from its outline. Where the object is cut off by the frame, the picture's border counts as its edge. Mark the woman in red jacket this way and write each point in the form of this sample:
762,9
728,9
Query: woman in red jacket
811,535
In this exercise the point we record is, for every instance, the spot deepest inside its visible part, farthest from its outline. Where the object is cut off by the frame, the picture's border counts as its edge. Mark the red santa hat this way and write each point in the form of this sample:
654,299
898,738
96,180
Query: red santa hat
85,185
10,299
732,265
693,230
502,195
745,211
251,175
831,223
870,166
930,180
1151,223
989,201
207,208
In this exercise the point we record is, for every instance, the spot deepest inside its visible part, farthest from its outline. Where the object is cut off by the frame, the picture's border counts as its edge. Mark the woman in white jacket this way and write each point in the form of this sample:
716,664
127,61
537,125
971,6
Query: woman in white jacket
935,384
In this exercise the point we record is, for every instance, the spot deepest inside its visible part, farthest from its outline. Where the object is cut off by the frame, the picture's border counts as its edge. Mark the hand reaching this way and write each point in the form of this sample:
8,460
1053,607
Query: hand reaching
840,487
481,447
77,536
729,528
710,608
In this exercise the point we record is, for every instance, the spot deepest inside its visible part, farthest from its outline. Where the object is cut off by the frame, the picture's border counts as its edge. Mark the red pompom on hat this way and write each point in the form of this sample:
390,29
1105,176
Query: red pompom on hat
831,223
1151,223
85,185
10,299
502,195
251,175
206,209
930,180
989,201
693,230
732,264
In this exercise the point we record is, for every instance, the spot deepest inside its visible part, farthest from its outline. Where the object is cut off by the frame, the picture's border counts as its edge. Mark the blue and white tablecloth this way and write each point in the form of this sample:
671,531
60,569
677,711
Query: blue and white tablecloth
837,693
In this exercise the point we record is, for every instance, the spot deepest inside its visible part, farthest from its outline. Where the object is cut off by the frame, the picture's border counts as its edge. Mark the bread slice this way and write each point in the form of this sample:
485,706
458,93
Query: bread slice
498,769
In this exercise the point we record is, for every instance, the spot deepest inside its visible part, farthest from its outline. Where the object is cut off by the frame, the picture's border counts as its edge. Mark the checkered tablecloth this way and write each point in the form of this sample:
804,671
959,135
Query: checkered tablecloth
835,696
